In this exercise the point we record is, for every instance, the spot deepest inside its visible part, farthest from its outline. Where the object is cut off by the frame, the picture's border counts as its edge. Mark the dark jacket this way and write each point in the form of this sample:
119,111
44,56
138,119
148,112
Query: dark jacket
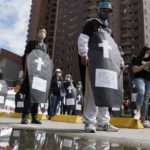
32,45
57,86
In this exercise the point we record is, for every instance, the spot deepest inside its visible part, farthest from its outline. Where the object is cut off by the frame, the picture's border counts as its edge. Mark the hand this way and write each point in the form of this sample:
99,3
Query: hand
123,67
147,64
85,60
51,95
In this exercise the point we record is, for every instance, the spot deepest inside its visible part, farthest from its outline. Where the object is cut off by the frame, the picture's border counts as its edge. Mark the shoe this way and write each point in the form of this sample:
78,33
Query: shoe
90,128
24,119
107,127
50,117
137,115
35,120
146,124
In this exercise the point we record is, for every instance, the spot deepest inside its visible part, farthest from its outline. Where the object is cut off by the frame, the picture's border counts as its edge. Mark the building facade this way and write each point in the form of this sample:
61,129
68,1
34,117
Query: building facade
64,21
11,65
44,14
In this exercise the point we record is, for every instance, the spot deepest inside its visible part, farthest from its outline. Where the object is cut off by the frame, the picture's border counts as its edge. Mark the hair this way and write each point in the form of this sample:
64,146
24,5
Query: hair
143,51
42,27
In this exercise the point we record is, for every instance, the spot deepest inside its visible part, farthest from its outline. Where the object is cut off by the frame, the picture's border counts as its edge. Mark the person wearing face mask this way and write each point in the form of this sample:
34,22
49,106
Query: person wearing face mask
96,116
79,99
141,81
70,95
56,92
25,89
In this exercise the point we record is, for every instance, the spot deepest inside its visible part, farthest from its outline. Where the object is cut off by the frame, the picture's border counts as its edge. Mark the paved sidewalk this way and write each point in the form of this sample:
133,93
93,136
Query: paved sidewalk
132,137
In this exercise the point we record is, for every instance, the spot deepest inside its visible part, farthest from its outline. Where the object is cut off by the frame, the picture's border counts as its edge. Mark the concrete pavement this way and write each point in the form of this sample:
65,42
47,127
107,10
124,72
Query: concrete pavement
131,137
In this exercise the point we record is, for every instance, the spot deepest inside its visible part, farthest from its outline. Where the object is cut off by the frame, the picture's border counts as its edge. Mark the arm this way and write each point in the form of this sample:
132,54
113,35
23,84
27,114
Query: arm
83,45
137,69
83,41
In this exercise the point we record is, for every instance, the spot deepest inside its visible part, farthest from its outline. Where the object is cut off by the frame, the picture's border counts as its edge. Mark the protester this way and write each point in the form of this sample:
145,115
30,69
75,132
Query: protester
79,99
96,31
56,92
126,105
141,81
70,96
25,88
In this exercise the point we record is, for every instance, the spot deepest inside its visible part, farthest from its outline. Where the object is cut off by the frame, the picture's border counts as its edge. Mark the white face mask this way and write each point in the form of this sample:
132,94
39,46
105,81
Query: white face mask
68,79
146,55
58,74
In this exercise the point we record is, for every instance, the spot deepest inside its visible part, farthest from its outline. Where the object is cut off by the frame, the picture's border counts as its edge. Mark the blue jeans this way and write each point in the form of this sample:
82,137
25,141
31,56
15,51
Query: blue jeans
54,104
143,94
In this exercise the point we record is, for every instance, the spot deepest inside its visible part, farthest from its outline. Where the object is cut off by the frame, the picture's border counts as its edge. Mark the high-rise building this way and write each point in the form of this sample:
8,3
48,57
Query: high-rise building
44,14
64,21
129,22
71,18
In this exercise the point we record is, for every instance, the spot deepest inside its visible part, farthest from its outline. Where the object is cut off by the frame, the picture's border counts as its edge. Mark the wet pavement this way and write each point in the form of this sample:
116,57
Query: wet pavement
67,136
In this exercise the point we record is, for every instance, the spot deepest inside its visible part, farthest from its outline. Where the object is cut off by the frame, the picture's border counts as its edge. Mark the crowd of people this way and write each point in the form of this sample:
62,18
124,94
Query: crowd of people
101,68
65,95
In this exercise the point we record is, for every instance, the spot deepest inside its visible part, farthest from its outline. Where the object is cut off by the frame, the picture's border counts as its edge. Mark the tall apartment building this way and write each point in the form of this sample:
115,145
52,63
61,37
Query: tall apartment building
44,14
71,19
64,21
129,22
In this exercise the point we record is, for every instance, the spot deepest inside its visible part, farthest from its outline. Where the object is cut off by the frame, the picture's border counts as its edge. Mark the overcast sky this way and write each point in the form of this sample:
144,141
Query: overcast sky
14,20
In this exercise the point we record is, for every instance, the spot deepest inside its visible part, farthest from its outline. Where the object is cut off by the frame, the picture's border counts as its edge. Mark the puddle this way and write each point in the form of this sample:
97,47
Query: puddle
23,139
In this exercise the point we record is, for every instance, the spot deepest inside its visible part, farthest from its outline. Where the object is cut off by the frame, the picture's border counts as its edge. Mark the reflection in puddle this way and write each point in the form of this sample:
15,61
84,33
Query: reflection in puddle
22,139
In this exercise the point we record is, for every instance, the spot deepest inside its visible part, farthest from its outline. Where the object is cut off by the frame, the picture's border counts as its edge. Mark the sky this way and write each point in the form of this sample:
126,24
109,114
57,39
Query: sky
14,20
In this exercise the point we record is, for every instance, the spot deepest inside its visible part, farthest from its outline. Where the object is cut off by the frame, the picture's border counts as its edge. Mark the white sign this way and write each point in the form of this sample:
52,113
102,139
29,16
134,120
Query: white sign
16,133
39,63
106,79
1,99
116,108
67,143
106,48
1,87
20,104
39,84
78,106
70,101
39,135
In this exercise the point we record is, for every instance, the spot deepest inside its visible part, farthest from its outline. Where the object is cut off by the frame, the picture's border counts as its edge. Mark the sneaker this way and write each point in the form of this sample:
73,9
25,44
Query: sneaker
24,121
146,124
90,128
107,127
137,115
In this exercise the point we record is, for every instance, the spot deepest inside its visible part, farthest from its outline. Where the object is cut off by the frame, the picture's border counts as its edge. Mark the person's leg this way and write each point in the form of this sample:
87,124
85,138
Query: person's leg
90,109
144,109
34,113
103,116
140,87
103,120
26,109
56,100
49,106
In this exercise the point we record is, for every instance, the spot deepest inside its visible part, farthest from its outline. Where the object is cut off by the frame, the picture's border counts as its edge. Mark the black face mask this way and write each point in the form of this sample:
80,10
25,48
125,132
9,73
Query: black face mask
103,16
